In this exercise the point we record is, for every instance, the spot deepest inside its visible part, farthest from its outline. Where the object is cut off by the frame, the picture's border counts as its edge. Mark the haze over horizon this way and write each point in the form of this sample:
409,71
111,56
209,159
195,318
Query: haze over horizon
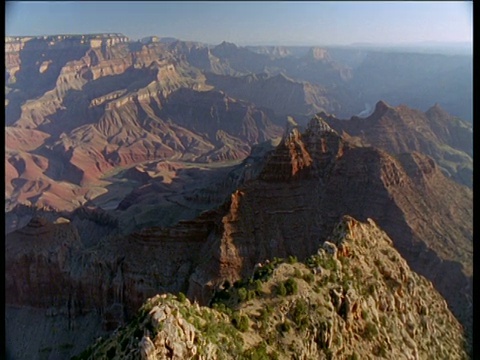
252,23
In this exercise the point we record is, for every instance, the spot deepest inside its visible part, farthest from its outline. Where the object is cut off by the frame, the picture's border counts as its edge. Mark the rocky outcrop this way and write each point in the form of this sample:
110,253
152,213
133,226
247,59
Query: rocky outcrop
168,343
290,159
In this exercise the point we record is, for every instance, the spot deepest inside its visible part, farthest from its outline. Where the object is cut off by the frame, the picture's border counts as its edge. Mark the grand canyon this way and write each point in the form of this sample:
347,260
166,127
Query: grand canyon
169,199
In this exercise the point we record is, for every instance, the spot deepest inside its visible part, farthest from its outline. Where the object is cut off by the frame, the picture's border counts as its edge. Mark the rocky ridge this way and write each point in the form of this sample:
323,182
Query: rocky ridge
355,298
284,95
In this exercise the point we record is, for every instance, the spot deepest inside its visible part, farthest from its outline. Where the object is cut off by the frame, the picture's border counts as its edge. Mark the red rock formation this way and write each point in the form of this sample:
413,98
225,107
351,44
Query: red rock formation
100,103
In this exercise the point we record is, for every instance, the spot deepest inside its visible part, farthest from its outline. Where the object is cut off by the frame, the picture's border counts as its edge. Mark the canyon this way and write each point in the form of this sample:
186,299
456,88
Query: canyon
164,167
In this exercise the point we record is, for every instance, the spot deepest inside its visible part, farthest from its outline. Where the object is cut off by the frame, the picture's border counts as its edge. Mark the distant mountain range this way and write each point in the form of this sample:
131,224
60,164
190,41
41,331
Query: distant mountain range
84,105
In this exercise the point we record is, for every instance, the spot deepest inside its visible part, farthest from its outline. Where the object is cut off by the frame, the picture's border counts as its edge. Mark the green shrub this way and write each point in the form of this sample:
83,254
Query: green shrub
309,277
273,355
242,294
278,260
264,315
238,284
291,286
371,289
381,351
284,327
181,297
281,289
354,356
220,307
329,354
243,323
313,261
357,272
383,320
330,264
300,314
370,331
292,259
257,287
364,314
257,353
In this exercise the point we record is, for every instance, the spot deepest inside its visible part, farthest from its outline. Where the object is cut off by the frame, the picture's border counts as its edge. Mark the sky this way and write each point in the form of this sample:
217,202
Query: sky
250,23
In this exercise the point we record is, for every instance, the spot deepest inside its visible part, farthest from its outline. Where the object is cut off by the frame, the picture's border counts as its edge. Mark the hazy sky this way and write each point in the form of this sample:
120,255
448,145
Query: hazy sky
274,22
